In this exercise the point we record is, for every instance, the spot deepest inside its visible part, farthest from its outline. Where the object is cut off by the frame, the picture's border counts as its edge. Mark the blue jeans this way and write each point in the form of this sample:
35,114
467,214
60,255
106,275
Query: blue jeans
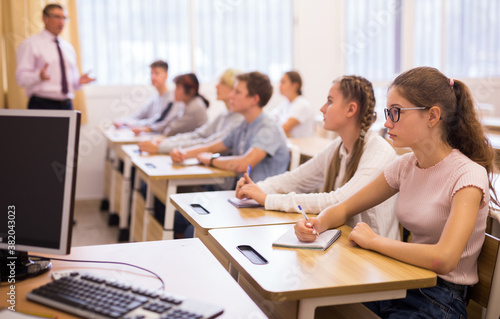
438,302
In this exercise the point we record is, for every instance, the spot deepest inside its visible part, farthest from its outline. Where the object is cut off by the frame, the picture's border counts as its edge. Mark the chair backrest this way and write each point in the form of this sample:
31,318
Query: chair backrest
487,291
294,156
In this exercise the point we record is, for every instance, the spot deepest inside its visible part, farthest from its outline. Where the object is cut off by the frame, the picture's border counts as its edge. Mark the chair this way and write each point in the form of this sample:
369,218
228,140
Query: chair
486,292
294,156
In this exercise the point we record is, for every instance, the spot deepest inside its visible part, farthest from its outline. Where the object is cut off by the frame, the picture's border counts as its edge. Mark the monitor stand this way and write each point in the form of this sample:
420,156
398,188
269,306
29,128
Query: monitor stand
18,266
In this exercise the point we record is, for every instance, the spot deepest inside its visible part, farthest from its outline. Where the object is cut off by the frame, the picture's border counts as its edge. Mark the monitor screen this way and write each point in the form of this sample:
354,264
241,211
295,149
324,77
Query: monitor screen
38,157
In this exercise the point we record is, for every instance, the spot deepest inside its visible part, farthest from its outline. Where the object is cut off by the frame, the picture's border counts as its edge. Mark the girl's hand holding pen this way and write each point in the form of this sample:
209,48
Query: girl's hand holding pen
306,230
177,156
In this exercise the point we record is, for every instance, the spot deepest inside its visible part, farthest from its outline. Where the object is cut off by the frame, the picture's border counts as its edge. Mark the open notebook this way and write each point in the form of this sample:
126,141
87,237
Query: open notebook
324,240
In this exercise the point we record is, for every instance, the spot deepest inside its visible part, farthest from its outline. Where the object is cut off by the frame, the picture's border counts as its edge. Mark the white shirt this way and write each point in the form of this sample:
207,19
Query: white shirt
32,55
299,109
293,188
151,112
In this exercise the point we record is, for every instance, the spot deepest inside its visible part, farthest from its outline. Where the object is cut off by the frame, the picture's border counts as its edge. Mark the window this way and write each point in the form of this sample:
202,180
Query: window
120,38
470,28
372,39
459,37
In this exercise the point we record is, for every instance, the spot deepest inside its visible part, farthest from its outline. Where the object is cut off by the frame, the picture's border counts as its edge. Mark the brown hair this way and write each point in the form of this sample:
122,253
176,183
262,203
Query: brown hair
294,77
159,64
257,84
360,90
46,10
191,85
461,129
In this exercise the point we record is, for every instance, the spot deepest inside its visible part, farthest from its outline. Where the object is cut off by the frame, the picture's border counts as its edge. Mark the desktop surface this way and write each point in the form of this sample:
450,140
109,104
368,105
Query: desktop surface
222,214
162,167
186,266
293,274
126,136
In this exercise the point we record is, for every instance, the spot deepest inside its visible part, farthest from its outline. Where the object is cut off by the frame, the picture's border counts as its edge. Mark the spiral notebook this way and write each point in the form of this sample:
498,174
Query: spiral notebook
324,240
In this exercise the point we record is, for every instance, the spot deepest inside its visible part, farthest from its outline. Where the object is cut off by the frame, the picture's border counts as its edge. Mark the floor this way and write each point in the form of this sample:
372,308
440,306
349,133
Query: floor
91,227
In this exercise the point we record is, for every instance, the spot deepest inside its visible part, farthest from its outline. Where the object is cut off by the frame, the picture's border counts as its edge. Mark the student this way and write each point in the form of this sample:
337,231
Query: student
443,188
191,115
258,141
350,162
151,113
295,115
208,133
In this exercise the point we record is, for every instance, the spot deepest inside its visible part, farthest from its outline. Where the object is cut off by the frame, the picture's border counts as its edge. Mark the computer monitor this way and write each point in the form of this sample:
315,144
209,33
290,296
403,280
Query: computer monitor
38,165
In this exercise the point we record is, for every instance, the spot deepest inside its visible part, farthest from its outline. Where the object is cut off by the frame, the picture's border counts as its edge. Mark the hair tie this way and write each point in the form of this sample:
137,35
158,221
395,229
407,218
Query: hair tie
362,135
452,83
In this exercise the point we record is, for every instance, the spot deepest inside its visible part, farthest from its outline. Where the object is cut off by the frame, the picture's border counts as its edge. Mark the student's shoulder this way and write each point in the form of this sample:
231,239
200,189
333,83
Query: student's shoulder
464,165
301,101
378,143
268,121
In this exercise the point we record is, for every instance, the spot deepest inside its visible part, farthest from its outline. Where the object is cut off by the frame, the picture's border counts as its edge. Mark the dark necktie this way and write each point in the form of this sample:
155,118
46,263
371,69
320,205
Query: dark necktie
64,82
165,112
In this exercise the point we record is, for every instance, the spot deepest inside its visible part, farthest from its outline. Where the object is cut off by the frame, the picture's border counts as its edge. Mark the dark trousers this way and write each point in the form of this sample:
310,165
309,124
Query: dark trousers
40,103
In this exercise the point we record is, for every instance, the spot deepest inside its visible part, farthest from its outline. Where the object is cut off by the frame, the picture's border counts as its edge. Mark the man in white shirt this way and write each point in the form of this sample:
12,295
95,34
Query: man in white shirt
158,111
47,66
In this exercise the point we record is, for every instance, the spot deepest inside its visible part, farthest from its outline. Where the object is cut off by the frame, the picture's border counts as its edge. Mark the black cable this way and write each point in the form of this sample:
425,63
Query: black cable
106,262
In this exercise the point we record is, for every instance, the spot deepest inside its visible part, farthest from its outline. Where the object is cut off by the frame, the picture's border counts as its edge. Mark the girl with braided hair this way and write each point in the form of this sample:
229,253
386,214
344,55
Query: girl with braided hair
444,191
350,162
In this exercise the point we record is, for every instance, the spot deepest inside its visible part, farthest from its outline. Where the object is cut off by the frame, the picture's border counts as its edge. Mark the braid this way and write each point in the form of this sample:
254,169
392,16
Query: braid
360,90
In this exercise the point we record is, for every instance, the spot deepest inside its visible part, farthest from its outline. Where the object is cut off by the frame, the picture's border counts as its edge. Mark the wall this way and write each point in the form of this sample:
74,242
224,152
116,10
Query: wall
318,56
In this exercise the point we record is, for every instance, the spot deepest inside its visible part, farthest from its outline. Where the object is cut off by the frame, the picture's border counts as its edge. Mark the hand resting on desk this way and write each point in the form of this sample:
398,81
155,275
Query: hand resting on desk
246,188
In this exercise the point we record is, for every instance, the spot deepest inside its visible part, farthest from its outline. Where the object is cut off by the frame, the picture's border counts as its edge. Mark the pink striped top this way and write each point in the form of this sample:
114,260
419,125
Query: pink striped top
424,203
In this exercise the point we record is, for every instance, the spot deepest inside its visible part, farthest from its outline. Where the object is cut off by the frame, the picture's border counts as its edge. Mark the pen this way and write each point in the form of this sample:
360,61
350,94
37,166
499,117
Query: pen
249,170
305,216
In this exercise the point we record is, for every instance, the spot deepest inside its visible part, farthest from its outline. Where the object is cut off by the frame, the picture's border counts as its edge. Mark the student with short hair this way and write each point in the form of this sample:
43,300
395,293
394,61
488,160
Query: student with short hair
186,113
295,115
443,187
258,141
150,113
350,162
209,132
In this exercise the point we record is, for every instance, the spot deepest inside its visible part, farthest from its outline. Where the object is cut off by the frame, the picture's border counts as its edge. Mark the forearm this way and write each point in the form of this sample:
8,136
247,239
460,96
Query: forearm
232,163
422,255
26,78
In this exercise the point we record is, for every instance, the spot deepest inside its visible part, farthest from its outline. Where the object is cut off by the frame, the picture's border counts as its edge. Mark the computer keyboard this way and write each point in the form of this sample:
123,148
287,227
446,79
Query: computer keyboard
90,296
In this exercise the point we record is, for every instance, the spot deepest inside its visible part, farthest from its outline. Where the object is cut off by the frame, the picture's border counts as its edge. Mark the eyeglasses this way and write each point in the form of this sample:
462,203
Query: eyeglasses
58,17
394,112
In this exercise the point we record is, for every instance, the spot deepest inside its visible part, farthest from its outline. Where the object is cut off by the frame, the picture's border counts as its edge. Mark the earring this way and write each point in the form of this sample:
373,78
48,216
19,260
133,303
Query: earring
430,125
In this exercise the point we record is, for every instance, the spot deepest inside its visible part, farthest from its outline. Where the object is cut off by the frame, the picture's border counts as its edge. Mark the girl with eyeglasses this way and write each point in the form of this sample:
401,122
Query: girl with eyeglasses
444,191
350,162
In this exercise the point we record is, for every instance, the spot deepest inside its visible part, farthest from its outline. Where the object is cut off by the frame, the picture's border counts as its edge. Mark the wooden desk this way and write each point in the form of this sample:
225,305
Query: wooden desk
223,214
163,178
114,182
310,146
126,153
186,266
305,279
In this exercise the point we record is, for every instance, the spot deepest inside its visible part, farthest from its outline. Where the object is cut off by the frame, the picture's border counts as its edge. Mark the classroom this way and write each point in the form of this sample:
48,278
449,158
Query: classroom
255,159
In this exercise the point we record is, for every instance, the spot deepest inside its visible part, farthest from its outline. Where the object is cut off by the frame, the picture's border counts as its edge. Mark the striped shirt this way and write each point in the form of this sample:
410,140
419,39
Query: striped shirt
300,186
425,198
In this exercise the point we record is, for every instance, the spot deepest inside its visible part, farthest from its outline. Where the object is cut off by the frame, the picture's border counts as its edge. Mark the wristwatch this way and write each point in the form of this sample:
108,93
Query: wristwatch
214,156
